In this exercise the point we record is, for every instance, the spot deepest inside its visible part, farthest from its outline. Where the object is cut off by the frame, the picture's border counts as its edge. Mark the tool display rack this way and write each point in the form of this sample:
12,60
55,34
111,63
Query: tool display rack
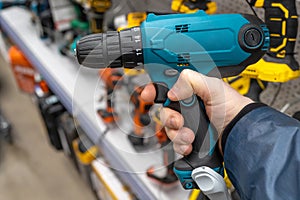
76,87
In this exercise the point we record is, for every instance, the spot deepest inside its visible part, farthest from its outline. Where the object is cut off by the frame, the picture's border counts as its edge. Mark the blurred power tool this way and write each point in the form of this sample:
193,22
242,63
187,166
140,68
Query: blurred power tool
86,152
5,134
128,21
67,132
69,44
141,117
279,63
246,86
112,79
41,88
79,28
51,109
163,174
5,130
165,45
191,6
95,12
42,17
24,72
52,17
7,4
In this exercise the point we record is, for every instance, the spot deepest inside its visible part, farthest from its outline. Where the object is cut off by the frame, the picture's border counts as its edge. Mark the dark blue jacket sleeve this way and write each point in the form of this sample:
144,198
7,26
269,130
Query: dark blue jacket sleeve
262,155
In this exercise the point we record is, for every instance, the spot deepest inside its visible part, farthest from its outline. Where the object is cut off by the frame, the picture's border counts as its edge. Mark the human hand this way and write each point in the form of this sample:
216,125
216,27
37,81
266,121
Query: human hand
222,104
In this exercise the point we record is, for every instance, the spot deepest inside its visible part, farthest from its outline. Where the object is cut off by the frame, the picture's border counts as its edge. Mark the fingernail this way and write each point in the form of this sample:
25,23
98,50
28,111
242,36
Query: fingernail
173,122
171,94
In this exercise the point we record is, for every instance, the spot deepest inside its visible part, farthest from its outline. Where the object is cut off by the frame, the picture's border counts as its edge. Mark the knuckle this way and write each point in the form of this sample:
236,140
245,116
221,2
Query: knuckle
178,149
171,134
187,137
185,73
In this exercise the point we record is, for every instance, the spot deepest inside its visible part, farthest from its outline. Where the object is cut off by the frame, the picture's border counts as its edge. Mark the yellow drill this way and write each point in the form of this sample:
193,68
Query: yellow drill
96,10
279,63
191,6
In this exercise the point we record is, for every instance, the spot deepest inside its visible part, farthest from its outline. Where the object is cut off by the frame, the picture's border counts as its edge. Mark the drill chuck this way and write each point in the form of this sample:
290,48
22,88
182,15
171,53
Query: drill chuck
112,49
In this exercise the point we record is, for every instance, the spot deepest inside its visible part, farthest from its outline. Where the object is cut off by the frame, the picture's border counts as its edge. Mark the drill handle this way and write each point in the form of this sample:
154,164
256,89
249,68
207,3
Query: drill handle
204,152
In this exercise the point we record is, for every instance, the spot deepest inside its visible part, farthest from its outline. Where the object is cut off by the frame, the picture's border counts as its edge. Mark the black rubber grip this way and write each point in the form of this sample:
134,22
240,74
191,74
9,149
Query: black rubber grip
203,153
195,118
99,50
161,92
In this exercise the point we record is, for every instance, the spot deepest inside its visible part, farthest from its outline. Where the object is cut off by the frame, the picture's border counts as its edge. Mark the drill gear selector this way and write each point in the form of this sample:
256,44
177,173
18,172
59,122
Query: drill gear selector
220,45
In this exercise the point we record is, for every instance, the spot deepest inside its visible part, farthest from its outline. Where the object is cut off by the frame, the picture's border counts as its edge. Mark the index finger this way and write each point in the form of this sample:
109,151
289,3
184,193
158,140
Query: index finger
148,93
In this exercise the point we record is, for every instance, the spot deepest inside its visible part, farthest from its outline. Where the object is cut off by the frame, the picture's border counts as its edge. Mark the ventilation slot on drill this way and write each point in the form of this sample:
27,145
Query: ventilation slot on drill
182,28
183,59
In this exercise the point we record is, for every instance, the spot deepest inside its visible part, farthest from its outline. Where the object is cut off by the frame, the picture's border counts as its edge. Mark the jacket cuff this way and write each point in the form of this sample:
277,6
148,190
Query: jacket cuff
241,114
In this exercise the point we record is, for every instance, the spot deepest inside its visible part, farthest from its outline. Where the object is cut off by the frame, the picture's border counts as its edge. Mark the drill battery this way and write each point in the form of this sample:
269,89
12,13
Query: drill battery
85,152
67,134
50,109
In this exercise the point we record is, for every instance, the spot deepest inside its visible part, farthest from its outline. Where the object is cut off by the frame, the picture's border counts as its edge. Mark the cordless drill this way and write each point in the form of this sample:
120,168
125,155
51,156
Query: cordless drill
96,11
246,86
130,20
215,45
279,63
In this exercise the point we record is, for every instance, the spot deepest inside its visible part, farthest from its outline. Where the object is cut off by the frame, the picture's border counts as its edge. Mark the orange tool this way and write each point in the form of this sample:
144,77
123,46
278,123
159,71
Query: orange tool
111,78
24,72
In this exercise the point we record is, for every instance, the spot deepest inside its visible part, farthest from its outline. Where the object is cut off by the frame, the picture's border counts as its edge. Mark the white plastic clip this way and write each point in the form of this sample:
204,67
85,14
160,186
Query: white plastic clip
211,183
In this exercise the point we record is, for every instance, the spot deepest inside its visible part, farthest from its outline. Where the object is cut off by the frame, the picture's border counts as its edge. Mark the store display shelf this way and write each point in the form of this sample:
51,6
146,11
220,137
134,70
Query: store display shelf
77,88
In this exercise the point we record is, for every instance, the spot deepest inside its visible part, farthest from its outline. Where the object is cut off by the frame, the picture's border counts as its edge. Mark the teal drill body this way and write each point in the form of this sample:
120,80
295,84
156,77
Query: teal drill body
199,42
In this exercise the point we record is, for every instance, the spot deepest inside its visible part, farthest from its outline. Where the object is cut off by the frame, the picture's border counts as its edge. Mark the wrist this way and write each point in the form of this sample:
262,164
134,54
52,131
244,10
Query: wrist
225,133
